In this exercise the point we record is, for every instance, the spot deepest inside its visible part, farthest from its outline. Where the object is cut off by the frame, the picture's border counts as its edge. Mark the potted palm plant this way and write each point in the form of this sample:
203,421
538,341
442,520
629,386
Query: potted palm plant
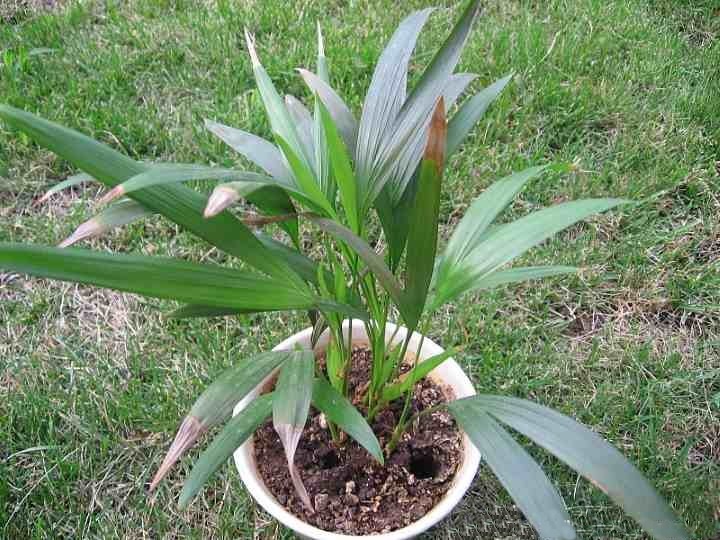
381,403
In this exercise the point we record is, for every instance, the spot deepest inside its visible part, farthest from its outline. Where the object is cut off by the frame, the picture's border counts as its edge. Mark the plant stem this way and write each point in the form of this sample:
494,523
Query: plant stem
402,424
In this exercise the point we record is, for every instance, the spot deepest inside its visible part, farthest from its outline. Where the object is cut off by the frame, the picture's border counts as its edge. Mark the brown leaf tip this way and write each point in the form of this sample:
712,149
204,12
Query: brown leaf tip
437,135
114,193
86,230
219,200
189,431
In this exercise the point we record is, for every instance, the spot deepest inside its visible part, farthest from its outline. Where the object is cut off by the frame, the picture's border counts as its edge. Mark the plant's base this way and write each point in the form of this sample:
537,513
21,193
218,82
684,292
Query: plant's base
352,493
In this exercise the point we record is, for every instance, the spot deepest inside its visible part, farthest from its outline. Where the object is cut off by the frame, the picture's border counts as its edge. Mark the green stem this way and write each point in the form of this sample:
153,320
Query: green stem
402,423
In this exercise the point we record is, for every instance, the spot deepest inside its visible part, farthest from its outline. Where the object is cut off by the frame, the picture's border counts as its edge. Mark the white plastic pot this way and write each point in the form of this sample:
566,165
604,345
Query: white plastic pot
448,374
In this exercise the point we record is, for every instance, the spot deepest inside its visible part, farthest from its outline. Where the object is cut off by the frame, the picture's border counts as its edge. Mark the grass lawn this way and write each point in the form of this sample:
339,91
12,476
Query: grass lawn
93,383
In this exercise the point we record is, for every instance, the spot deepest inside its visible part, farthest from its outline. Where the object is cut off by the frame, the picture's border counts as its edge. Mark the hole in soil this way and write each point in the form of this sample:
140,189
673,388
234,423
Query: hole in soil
424,465
329,460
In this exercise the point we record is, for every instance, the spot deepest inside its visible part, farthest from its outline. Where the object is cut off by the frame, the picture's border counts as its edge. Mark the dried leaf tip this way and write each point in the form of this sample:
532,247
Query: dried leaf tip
189,431
90,228
437,135
42,199
290,436
250,40
114,193
219,200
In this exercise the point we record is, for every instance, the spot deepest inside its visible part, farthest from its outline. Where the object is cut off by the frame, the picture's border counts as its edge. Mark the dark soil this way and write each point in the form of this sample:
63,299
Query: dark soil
352,493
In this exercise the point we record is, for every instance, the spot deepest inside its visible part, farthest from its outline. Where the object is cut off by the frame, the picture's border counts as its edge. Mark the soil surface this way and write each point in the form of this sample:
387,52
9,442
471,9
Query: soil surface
351,492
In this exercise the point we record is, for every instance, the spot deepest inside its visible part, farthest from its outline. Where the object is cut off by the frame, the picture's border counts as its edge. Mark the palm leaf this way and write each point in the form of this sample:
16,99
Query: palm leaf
236,432
592,457
422,238
118,215
177,203
341,412
293,393
517,471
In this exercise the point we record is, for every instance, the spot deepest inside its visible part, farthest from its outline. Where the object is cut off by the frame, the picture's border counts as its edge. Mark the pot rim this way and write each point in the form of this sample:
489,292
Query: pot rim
449,373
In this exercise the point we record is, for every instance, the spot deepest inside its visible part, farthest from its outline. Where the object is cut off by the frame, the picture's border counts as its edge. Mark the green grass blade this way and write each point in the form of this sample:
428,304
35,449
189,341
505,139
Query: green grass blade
471,112
236,432
262,153
592,457
118,215
291,405
342,170
523,478
341,114
179,204
341,412
422,237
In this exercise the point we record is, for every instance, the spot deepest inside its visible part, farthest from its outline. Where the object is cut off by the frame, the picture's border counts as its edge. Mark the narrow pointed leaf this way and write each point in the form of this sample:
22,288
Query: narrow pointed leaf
291,405
262,153
421,370
395,220
523,478
341,412
194,310
74,180
471,112
341,115
175,175
507,242
177,203
304,126
236,432
342,170
158,277
304,266
118,215
384,100
216,403
422,237
373,261
407,145
444,62
305,179
516,275
484,210
592,457
322,155
280,119
322,66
